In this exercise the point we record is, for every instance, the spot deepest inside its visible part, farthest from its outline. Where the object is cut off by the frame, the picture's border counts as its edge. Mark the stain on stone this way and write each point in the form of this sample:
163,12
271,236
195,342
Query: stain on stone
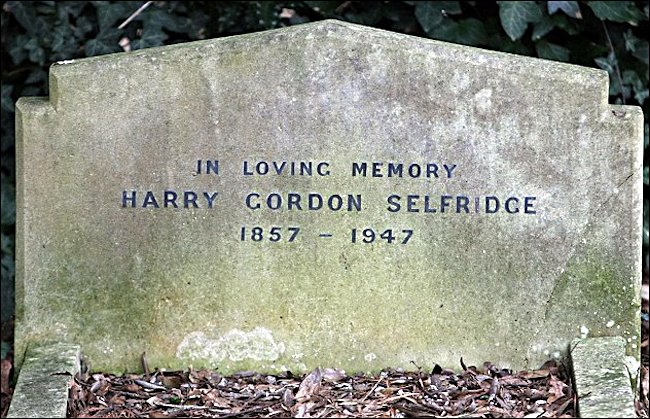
234,345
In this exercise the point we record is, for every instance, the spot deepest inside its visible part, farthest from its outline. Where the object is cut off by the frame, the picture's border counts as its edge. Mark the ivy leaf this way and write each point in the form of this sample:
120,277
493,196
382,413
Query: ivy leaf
159,18
37,75
548,23
16,50
567,25
32,90
72,8
324,7
640,93
467,31
109,13
105,43
605,63
36,52
7,270
516,15
151,37
428,15
63,40
449,7
631,41
641,52
551,51
5,347
82,27
369,17
640,89
7,101
267,13
542,27
396,12
24,14
616,11
638,47
609,64
199,21
97,47
8,203
571,8
6,240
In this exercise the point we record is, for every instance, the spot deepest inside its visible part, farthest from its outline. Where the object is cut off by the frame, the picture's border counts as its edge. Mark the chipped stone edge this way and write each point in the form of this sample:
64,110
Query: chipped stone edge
44,380
604,377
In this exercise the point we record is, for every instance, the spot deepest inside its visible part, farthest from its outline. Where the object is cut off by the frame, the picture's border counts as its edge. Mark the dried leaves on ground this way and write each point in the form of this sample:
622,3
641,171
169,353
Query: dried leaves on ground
485,392
5,386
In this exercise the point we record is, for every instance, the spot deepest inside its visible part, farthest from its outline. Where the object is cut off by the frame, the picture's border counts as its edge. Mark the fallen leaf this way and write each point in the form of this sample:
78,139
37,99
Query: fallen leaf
117,399
332,375
5,373
310,385
287,398
532,375
556,389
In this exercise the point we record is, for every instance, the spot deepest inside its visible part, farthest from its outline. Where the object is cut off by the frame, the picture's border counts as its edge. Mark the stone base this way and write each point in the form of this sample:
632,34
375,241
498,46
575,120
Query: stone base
601,377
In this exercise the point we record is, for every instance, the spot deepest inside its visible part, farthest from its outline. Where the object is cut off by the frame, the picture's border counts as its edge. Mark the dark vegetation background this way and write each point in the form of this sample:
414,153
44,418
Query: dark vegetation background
609,35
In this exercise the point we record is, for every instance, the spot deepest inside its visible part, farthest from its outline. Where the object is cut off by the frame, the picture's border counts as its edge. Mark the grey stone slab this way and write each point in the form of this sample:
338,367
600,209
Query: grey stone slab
128,241
602,378
42,386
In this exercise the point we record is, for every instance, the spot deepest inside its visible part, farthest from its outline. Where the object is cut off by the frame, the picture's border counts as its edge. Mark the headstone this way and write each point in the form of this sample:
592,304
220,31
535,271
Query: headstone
326,194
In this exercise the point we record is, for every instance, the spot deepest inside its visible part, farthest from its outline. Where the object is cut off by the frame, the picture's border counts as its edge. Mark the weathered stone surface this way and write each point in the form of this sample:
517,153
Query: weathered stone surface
105,268
602,379
42,387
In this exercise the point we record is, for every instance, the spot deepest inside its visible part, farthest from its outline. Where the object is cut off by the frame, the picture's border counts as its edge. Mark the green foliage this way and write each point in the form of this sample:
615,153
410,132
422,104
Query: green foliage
616,11
516,15
551,51
430,14
5,348
570,8
7,264
611,35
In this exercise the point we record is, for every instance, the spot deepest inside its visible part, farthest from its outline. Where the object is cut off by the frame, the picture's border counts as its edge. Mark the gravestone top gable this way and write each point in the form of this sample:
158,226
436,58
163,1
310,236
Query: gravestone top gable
326,194
593,82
